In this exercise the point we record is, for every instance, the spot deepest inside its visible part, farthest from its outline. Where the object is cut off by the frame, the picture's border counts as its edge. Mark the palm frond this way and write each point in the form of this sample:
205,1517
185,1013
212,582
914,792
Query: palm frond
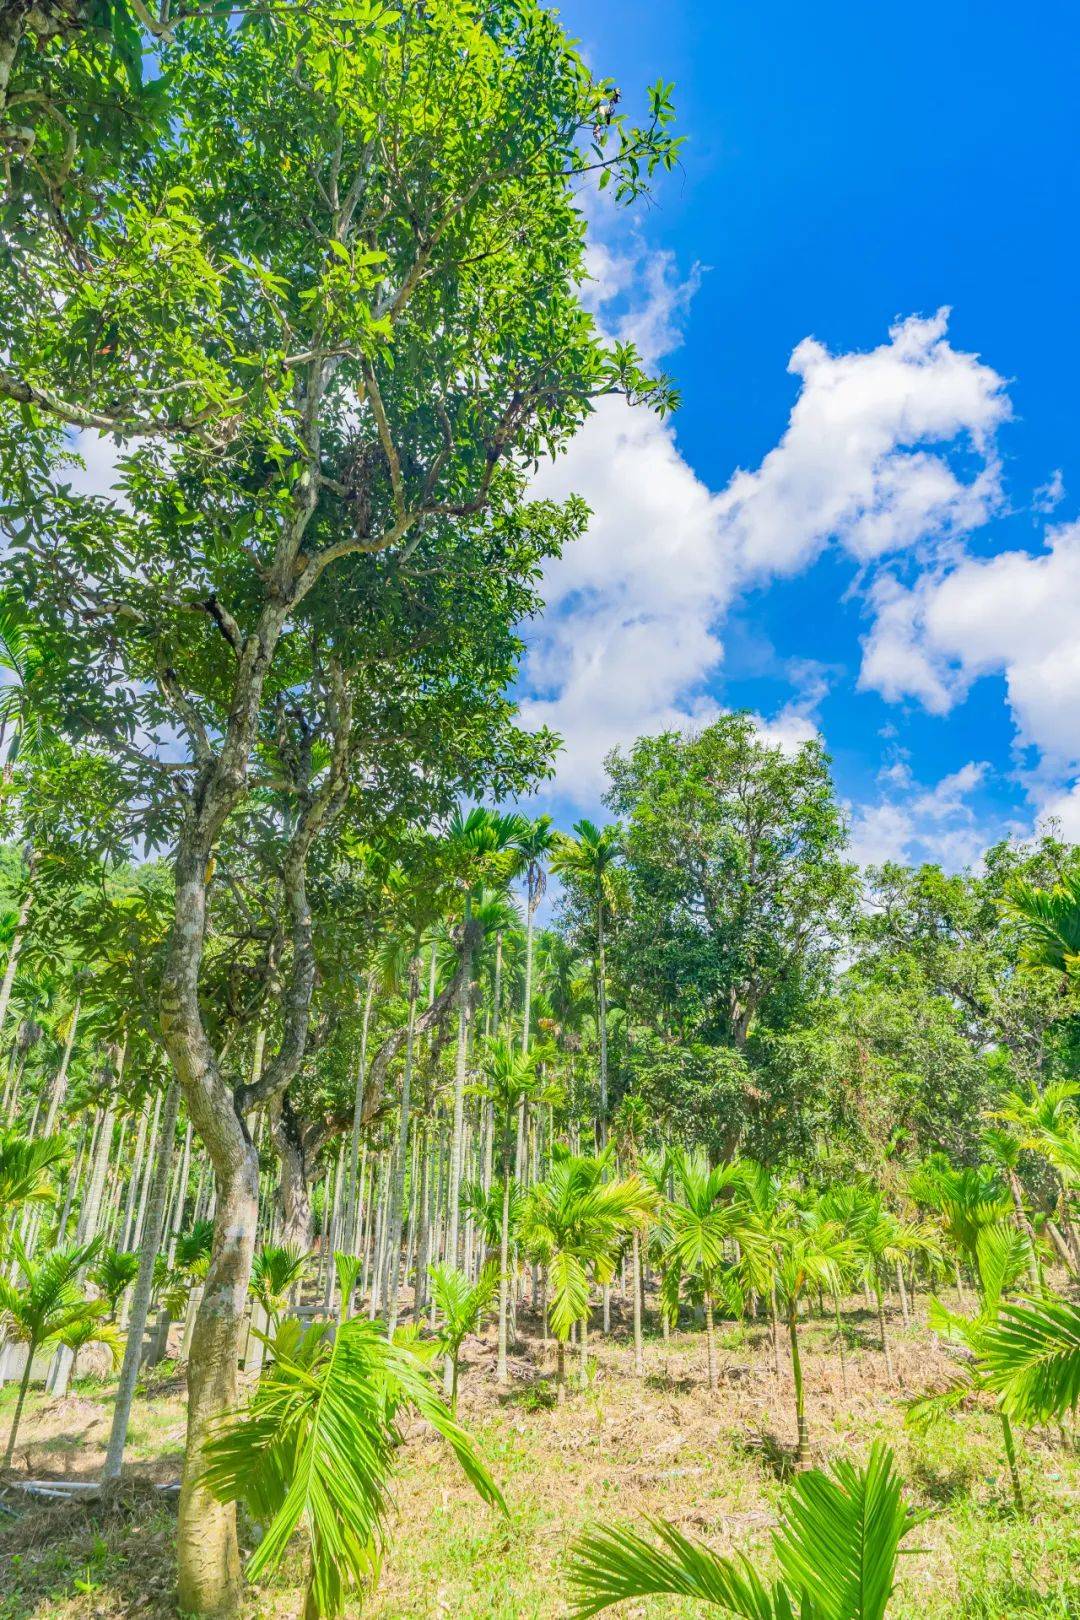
837,1547
316,1449
1031,1357
841,1534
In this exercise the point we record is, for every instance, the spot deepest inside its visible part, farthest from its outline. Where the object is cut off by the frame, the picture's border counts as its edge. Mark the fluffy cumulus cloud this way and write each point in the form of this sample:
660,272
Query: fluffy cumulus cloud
631,639
913,822
1013,615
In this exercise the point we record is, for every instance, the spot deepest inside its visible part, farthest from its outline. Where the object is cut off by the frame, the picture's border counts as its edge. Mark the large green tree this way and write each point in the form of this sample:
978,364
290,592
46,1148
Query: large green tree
328,304
739,890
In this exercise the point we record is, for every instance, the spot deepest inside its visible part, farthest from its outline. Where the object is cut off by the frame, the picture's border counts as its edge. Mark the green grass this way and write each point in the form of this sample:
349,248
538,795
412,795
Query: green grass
623,1451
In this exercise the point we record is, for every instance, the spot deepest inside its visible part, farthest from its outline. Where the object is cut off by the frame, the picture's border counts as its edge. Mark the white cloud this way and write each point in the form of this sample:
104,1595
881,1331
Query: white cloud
1051,494
915,823
854,466
631,637
1012,615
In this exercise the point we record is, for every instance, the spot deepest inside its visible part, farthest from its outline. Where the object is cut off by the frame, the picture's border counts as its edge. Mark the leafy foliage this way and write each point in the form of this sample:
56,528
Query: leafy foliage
837,1547
316,1449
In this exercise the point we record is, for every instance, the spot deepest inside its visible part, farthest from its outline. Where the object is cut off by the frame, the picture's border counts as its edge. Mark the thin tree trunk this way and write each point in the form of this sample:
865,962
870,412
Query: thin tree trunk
144,1288
501,1371
802,1455
398,1196
884,1335
24,1385
639,1342
458,1131
351,1203
58,1090
135,1180
601,996
13,954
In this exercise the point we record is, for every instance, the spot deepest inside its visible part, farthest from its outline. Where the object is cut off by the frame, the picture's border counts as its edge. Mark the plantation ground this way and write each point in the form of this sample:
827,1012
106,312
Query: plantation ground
619,1450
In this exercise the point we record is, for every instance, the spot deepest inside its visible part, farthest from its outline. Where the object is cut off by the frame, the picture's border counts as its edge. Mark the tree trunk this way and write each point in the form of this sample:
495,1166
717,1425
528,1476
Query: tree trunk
24,1385
584,1327
840,1346
144,1288
58,1090
601,999
884,1335
297,1221
207,1549
1010,1457
1025,1226
457,1136
802,1455
710,1341
352,1207
639,1342
501,1371
398,1195
138,1167
13,956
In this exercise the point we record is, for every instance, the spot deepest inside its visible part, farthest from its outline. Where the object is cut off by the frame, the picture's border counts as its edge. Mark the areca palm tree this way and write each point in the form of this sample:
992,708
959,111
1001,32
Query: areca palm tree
534,841
462,1307
1002,1259
480,849
702,1226
114,1274
1050,920
512,1082
807,1257
93,1328
275,1272
587,859
27,1173
836,1545
47,1303
887,1239
316,1449
574,1222
1031,1358
1047,1122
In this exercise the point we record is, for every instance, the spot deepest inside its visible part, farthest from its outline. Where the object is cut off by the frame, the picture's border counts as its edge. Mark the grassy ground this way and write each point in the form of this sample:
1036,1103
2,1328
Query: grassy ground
620,1449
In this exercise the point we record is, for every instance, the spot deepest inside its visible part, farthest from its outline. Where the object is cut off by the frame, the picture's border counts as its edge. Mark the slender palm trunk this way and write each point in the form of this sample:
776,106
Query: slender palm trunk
1025,1226
398,1198
501,1372
144,1287
24,1385
802,1455
601,999
1010,1457
458,1131
840,1345
710,1341
902,1290
639,1343
584,1326
14,950
351,1202
58,1090
526,1011
886,1351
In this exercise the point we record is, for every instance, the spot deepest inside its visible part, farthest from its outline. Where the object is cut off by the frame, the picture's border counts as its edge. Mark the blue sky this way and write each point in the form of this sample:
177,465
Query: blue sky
875,544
